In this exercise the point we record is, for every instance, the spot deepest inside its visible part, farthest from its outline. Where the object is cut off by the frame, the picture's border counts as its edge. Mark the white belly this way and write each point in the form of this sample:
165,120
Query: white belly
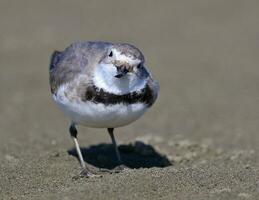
98,115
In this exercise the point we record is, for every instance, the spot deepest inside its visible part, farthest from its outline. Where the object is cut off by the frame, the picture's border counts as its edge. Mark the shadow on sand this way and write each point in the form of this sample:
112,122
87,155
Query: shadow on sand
137,155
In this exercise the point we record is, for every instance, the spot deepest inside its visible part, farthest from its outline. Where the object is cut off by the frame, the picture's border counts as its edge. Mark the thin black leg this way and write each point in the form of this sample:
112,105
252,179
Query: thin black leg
110,131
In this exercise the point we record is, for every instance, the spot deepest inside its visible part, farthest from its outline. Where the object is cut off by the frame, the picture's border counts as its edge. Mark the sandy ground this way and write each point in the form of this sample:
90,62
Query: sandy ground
199,141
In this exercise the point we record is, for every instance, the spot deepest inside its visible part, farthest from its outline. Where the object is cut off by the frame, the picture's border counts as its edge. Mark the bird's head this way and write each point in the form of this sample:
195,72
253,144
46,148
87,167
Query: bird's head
124,59
121,65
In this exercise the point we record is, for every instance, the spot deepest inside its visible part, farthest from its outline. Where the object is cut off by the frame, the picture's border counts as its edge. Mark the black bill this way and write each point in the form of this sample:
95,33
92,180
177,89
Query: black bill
121,71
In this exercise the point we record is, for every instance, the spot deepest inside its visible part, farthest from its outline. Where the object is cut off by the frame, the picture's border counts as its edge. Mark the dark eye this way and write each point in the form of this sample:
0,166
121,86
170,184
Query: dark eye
110,54
139,65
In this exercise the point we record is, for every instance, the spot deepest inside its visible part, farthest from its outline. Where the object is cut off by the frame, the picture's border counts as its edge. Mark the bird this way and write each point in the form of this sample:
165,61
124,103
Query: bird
101,84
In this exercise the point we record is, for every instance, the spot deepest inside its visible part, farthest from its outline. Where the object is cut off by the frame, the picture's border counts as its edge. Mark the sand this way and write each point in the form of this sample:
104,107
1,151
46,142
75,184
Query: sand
200,139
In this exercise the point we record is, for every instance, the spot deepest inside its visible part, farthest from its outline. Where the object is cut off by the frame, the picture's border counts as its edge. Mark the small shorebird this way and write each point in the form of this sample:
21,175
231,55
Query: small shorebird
101,85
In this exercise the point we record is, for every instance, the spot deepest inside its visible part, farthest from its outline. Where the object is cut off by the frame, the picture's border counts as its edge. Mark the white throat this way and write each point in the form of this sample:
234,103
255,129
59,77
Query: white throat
103,77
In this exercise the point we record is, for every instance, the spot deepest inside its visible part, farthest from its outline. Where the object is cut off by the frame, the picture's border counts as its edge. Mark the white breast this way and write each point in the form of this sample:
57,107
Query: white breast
104,77
98,115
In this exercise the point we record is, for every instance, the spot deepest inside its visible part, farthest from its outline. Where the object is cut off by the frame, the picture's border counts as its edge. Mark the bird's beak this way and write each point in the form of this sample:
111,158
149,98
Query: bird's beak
121,71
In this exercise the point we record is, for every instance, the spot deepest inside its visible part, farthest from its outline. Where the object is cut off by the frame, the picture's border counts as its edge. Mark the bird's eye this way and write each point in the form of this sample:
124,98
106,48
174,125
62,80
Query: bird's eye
110,54
139,65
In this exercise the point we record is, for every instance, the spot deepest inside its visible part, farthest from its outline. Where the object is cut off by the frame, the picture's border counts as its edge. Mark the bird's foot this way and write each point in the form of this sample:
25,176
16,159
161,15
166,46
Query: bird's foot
87,173
120,168
105,171
117,169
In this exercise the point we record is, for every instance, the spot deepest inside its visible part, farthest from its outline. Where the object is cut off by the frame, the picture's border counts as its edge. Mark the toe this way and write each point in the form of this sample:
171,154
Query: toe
86,173
120,168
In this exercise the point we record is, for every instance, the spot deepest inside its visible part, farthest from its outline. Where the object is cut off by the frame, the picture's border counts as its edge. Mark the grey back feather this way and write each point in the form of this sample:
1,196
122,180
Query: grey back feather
79,57
55,57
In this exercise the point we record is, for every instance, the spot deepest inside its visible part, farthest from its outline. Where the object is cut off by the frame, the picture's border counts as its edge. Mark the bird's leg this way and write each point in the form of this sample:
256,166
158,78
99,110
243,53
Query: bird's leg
121,166
110,131
86,171
73,133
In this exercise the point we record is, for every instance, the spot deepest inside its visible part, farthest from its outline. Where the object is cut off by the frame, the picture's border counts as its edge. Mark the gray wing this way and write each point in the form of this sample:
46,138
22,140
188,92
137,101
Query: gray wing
55,57
154,86
78,58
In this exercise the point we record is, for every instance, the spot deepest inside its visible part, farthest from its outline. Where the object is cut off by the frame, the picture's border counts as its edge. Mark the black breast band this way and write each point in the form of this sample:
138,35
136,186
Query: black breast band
98,95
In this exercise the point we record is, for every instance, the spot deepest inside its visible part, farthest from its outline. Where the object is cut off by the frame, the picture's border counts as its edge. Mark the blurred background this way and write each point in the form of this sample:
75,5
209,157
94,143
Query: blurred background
203,53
